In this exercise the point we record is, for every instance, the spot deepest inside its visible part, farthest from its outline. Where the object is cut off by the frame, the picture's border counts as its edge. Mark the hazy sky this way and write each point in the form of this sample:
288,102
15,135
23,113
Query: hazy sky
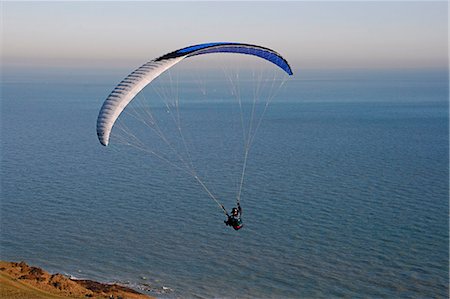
310,34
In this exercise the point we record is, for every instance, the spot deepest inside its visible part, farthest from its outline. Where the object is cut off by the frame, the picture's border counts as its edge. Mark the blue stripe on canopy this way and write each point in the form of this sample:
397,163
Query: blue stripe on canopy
201,46
263,53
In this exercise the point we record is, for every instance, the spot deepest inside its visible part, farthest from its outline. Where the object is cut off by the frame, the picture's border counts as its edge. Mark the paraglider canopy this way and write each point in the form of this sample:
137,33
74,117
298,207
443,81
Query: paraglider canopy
129,87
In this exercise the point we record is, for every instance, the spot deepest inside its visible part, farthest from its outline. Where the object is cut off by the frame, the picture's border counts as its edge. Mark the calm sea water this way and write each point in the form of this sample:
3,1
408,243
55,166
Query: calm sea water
346,191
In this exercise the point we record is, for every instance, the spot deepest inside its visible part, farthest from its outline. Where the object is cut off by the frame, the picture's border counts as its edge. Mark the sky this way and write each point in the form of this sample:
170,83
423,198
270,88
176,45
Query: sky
314,35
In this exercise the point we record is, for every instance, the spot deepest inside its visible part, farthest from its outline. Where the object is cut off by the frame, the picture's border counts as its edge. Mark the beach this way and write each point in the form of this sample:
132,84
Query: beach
19,280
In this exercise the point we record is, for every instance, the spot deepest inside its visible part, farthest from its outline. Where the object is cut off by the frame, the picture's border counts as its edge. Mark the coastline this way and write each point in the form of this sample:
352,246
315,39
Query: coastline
19,280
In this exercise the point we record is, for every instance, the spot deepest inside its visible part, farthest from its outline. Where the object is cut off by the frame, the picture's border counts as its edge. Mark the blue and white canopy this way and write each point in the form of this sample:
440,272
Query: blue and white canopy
129,87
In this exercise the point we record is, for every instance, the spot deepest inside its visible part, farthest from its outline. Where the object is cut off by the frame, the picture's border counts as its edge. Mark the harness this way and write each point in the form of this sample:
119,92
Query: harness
236,223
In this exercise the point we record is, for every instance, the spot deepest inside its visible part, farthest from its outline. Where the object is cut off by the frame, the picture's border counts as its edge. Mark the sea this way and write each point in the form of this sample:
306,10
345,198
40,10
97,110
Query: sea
345,192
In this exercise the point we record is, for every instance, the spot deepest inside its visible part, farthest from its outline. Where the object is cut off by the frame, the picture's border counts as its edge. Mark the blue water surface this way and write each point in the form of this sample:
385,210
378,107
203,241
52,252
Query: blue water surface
345,194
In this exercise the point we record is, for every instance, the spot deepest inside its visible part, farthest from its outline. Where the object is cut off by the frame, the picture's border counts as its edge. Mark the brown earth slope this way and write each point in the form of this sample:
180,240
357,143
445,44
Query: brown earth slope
18,280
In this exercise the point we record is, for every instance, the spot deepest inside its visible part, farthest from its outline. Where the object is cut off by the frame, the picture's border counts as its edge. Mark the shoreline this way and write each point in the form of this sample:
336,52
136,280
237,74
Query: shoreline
19,280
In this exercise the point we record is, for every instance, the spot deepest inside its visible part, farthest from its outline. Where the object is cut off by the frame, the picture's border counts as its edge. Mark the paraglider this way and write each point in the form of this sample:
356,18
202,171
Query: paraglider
133,84
234,219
